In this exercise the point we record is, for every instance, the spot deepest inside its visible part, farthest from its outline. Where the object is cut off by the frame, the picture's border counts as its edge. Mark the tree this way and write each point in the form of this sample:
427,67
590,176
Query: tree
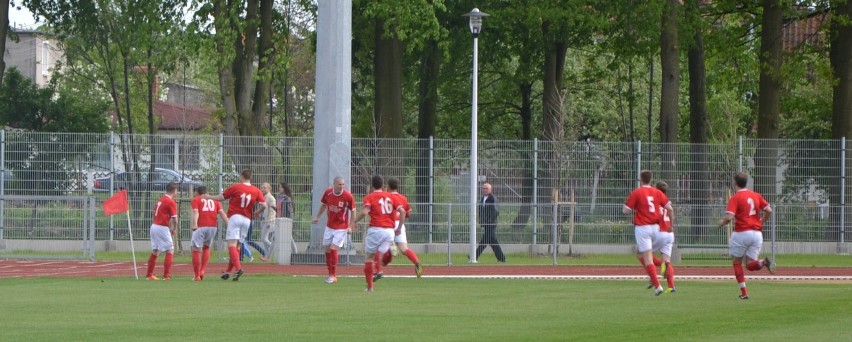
699,191
25,106
769,98
669,92
840,55
4,31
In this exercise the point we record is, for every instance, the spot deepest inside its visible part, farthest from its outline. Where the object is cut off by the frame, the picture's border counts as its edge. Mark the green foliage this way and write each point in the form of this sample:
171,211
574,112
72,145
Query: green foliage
26,106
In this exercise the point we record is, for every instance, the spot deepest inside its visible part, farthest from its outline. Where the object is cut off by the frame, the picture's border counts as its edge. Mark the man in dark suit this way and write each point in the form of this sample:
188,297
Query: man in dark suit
488,212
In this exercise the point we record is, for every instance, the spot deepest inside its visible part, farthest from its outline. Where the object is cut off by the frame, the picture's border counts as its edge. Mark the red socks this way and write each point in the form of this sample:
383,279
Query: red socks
670,275
167,265
233,259
205,258
411,256
652,273
152,261
754,265
368,273
196,263
376,263
738,273
387,258
335,258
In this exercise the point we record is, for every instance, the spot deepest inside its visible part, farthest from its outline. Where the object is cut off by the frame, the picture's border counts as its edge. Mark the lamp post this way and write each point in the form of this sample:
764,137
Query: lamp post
475,27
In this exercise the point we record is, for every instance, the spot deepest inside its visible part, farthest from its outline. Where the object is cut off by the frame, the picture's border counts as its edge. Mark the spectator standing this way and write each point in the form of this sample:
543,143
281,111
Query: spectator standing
488,213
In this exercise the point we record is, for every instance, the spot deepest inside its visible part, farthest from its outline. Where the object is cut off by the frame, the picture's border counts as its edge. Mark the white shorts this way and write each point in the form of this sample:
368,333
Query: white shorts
645,236
238,226
331,236
203,236
663,242
378,240
747,243
161,238
399,236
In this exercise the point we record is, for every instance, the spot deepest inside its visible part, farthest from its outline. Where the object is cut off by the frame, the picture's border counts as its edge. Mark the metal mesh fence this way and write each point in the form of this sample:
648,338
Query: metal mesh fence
558,198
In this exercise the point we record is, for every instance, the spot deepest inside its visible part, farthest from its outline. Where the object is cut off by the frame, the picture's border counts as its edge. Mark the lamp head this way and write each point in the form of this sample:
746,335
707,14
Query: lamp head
475,21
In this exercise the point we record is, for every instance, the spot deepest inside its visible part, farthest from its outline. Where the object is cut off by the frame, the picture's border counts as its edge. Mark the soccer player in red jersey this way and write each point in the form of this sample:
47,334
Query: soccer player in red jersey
242,198
645,202
664,240
340,205
380,206
400,238
203,225
745,209
164,223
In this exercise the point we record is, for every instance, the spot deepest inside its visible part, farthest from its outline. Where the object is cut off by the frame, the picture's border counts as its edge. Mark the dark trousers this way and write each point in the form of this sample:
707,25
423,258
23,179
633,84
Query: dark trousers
490,238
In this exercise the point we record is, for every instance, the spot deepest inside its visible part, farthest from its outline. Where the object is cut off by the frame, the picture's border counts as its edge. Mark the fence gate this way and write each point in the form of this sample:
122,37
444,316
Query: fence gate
47,227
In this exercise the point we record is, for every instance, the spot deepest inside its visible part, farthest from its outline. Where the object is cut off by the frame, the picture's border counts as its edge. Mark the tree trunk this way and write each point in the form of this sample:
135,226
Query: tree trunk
553,119
669,91
266,58
430,65
840,56
525,209
387,78
769,100
699,189
4,31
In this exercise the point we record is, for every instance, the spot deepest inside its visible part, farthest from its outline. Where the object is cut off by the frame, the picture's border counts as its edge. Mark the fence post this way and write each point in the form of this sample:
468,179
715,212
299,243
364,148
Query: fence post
740,153
3,183
112,181
92,229
431,186
842,190
450,234
535,193
774,232
553,233
638,159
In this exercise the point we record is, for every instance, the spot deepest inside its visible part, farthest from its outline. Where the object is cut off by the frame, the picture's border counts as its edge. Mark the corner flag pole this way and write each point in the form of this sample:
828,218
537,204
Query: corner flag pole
132,249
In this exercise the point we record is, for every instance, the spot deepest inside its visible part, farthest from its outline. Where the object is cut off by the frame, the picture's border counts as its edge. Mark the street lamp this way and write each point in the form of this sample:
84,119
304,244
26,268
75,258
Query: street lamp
475,27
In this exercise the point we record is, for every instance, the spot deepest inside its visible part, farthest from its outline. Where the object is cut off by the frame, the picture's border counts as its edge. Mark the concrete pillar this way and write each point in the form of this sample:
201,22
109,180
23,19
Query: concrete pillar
332,110
282,246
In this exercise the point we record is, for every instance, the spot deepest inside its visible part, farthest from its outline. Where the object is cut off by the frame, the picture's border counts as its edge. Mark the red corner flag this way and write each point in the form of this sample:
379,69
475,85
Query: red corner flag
116,204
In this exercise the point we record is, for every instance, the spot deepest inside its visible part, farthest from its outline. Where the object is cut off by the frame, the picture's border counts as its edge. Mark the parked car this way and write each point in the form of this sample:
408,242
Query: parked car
161,177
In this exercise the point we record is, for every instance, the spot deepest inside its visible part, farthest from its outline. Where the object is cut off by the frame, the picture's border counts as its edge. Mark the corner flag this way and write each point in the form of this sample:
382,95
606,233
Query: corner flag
116,204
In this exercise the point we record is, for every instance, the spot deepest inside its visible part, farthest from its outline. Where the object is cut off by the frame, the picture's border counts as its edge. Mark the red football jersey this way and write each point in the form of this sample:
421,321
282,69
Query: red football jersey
208,211
339,208
242,198
165,209
666,220
401,201
746,205
382,207
645,202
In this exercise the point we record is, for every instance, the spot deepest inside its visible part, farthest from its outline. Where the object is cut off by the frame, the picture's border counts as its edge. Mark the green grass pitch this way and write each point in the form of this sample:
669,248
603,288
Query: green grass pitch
287,308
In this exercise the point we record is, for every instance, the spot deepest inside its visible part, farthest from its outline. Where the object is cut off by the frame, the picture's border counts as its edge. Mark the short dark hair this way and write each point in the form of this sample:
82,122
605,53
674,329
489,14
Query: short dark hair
393,184
645,176
741,179
662,186
377,182
246,174
200,190
171,187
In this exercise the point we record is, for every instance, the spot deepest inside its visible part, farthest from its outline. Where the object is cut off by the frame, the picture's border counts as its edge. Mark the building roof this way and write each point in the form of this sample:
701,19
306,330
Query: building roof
176,117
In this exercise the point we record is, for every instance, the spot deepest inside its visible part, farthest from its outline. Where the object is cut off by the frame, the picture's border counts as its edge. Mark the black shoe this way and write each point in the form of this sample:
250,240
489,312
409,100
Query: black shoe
225,276
378,276
238,274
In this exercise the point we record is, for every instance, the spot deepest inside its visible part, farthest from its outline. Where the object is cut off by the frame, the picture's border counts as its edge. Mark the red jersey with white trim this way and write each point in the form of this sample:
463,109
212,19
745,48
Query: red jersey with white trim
208,211
746,205
382,207
339,208
401,201
242,198
666,220
165,209
645,202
